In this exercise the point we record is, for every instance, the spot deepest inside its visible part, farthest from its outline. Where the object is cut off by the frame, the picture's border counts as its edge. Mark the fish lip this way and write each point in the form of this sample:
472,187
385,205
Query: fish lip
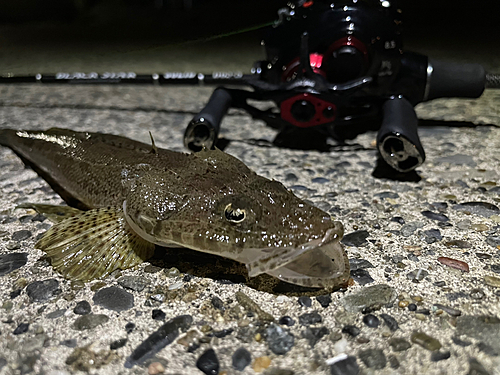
330,236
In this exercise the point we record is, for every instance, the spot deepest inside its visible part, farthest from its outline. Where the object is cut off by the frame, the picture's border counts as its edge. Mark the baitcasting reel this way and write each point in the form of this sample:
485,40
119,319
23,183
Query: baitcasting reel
338,69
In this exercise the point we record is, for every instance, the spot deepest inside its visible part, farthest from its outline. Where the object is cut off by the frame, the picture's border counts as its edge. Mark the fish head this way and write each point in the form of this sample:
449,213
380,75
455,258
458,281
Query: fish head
219,206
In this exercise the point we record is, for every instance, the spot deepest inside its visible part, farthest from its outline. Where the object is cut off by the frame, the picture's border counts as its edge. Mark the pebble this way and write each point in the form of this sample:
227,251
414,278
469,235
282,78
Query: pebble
11,262
425,341
21,328
287,321
326,299
152,269
158,314
21,235
458,244
279,340
347,366
393,362
371,320
481,327
89,321
341,345
117,344
390,322
387,194
156,368
12,245
223,333
129,327
399,344
357,238
217,303
432,235
456,295
355,264
241,358
305,301
320,180
457,341
70,343
162,337
114,298
261,363
435,216
135,283
484,209
41,291
398,219
480,227
310,318
464,224
495,268
493,240
56,314
417,275
408,229
492,281
440,355
351,330
362,277
85,359
451,311
483,256
454,263
248,304
380,294
82,308
373,358
177,285
314,334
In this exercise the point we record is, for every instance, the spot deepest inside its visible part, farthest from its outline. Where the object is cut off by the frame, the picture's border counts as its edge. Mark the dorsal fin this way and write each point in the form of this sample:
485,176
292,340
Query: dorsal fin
154,149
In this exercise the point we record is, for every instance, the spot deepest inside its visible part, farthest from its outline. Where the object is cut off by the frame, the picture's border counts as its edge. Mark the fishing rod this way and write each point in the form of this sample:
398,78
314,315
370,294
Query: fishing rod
167,78
333,70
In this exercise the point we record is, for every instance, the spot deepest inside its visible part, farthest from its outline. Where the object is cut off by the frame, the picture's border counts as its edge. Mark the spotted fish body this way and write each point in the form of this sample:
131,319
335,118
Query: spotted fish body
136,195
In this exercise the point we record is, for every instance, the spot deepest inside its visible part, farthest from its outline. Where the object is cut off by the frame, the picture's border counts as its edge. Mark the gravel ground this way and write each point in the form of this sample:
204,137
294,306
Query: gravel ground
425,256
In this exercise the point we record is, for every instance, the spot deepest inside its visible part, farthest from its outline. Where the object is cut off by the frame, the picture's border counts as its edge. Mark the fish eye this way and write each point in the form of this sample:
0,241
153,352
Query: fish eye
234,215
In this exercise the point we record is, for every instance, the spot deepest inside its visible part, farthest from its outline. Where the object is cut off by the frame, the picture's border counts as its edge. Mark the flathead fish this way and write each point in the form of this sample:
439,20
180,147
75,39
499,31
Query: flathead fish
126,196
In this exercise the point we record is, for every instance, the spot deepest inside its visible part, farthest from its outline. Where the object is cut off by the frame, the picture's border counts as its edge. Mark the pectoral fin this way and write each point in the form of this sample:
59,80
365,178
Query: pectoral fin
93,244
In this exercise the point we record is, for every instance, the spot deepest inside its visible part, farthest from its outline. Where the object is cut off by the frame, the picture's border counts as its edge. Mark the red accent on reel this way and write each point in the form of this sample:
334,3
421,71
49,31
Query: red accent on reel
348,41
316,61
324,112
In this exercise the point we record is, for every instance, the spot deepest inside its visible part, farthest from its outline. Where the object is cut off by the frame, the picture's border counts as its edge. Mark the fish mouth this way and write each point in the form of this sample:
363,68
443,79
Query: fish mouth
323,266
318,263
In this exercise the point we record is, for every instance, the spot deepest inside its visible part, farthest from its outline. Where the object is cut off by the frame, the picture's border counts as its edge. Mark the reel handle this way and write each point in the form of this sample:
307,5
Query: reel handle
204,128
397,139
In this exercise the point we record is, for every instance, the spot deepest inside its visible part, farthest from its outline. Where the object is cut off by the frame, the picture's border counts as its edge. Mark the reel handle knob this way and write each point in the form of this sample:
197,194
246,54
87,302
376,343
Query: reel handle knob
204,128
397,139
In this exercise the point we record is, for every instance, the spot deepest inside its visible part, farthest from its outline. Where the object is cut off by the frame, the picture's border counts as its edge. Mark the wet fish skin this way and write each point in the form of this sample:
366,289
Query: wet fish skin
209,201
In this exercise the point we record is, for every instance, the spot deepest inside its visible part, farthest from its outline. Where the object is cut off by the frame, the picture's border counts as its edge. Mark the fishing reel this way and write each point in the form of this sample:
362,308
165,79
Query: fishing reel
336,70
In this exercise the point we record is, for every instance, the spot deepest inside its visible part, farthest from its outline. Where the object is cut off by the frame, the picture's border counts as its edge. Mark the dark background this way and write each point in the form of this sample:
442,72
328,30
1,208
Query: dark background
54,34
